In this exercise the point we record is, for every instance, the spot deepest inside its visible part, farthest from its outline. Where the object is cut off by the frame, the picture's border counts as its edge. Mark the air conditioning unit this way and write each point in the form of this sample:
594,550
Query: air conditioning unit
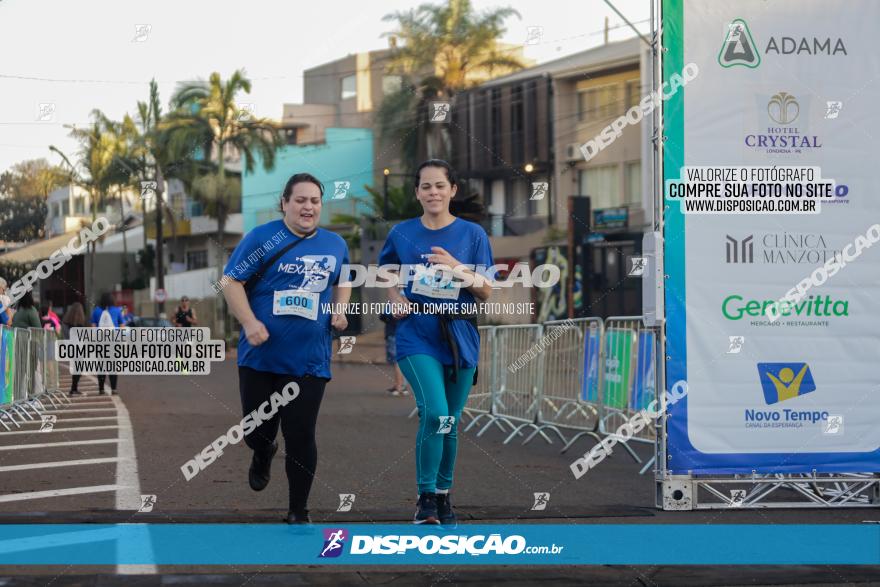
573,152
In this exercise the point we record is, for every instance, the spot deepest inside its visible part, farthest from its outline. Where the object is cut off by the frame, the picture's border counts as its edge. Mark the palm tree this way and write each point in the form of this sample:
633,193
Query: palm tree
207,115
94,170
444,47
148,156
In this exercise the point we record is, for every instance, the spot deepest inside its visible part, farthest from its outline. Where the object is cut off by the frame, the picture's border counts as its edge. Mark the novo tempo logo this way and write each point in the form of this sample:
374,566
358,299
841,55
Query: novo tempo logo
784,381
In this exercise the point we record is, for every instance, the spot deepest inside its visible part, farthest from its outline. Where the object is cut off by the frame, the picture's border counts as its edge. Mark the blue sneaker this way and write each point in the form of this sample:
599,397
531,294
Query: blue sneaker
426,512
444,510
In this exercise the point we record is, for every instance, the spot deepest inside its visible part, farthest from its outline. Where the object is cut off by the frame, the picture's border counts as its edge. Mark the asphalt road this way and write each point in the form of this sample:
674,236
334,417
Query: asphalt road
104,453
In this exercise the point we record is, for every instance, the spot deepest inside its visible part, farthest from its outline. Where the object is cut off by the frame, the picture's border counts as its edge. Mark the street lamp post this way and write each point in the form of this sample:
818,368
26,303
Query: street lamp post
386,172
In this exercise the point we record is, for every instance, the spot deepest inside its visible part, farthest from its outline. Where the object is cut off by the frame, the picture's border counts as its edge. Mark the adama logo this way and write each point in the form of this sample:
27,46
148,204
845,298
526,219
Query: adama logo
739,47
334,542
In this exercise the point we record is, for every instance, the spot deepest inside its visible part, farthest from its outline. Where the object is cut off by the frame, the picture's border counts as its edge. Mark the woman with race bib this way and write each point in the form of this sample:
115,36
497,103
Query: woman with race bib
438,352
278,280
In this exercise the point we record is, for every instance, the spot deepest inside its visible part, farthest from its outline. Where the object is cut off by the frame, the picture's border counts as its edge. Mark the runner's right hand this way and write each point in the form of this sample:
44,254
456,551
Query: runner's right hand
256,333
400,308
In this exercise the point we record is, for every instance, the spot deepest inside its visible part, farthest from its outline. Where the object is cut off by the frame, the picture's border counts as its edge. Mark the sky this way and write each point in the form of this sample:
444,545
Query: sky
78,55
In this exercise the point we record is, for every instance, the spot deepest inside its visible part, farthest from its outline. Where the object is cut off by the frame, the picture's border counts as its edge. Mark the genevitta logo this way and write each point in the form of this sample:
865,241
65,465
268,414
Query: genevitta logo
737,307
739,46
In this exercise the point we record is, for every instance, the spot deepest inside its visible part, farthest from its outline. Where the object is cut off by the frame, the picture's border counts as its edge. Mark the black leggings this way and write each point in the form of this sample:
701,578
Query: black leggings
113,379
297,420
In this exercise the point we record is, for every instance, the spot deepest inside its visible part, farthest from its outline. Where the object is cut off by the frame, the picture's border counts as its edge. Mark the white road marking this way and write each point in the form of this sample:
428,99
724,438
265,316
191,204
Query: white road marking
68,410
53,464
55,444
87,419
74,429
57,493
129,495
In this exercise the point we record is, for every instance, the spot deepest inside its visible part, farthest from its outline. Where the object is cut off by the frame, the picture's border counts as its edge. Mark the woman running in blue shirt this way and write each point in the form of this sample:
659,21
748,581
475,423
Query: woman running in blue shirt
281,277
438,353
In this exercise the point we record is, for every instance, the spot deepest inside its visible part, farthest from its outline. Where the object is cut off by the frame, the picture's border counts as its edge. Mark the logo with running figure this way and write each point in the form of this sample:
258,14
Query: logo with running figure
783,381
739,47
334,542
316,271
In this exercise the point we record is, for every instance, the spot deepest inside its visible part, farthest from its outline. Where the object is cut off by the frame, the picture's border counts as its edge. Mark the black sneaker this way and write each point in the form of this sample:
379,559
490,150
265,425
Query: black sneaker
258,475
298,517
426,512
444,510
75,392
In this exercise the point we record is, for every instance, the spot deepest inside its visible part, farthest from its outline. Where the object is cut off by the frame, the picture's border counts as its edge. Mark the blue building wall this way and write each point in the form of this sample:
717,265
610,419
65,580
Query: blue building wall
347,155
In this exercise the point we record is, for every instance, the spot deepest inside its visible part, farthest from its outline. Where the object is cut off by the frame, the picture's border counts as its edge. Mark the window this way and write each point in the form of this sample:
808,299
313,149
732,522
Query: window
79,206
196,260
633,92
495,109
349,87
65,208
602,184
598,103
289,136
517,137
634,182
391,84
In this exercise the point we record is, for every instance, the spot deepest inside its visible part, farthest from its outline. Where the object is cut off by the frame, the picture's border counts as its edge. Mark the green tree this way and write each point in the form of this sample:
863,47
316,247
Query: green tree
24,190
446,48
94,170
207,114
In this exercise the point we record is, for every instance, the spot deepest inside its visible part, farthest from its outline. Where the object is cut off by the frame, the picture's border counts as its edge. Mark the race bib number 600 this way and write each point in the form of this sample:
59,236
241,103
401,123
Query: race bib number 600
292,302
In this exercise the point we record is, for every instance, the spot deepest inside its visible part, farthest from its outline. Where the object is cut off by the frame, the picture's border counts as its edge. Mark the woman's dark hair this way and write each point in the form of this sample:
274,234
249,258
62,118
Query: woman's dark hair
106,300
75,315
44,309
450,172
26,301
295,179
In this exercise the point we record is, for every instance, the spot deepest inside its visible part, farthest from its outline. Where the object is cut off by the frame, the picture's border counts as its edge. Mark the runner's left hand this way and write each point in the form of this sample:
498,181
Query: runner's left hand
339,322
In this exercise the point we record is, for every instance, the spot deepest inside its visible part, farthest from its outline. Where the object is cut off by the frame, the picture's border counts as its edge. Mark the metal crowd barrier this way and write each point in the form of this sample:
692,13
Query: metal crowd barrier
28,374
572,363
630,376
584,375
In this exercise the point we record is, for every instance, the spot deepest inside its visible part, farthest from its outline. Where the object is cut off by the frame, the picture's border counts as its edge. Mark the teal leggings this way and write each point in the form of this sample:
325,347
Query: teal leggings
437,399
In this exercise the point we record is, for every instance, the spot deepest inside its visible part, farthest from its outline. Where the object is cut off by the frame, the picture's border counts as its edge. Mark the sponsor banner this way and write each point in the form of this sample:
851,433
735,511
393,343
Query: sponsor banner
590,374
788,94
620,349
406,544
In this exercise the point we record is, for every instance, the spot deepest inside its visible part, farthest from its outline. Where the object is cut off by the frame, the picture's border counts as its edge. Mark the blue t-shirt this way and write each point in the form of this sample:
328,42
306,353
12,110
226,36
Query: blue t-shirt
409,243
115,314
289,299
